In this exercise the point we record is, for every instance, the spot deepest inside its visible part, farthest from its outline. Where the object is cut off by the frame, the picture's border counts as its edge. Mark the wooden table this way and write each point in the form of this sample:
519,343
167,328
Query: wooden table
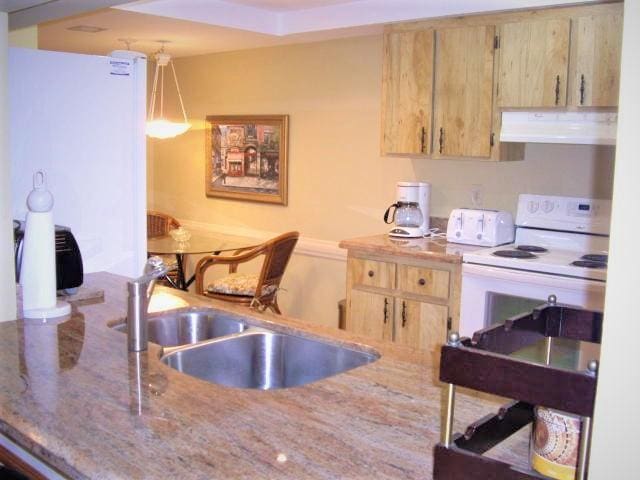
198,244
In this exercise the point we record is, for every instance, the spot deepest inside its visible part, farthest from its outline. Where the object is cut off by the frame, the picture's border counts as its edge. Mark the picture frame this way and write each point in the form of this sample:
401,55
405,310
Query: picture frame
247,157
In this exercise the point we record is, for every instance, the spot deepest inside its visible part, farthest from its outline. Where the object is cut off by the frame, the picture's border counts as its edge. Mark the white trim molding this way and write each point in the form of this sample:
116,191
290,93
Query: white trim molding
311,247
296,18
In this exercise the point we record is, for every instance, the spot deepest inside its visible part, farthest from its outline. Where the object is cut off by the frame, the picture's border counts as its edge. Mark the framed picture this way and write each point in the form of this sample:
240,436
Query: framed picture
247,157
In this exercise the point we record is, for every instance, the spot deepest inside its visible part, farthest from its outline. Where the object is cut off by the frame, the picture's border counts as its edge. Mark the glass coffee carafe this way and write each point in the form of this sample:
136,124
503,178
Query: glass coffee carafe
405,214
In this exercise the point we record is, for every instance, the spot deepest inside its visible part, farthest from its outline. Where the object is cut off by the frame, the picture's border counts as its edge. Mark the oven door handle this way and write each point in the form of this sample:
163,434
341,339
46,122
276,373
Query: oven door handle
525,276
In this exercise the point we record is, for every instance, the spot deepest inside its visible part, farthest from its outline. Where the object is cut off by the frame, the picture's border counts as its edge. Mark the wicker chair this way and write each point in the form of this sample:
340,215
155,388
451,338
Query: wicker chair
158,225
258,290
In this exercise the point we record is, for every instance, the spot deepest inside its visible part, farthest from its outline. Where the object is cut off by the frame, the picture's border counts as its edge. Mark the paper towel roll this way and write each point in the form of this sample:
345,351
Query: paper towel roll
38,270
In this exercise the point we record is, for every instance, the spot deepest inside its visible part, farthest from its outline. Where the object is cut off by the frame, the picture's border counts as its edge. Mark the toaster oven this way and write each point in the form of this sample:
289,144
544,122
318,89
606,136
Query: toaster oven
69,270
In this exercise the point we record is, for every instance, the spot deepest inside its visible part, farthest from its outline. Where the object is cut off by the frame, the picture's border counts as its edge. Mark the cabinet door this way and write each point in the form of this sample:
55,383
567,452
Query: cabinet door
407,91
595,60
370,314
534,61
464,91
420,324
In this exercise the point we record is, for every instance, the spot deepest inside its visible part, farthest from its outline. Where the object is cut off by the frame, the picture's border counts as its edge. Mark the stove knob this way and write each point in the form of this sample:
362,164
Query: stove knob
458,234
533,206
547,206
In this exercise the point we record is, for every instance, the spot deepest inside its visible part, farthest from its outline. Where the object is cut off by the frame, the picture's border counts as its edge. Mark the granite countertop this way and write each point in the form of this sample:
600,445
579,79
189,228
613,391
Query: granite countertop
70,393
437,249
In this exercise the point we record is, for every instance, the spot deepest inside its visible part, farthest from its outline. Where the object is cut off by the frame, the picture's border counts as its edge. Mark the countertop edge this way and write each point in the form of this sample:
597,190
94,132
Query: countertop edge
421,248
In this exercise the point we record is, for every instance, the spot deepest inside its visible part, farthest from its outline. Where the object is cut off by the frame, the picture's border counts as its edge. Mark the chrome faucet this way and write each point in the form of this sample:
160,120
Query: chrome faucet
140,291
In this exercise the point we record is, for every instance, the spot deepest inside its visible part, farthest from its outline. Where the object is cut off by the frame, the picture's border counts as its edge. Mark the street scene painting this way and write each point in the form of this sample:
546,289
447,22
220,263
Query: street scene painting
247,157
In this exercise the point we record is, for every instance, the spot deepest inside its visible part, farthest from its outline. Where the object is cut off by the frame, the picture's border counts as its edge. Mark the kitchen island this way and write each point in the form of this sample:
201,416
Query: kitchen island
74,399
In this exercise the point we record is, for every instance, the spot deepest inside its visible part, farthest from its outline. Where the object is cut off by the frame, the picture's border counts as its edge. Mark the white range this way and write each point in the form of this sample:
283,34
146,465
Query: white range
560,250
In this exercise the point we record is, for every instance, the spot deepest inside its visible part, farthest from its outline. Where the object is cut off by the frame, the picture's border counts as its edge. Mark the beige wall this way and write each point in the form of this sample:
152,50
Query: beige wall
24,37
339,185
615,446
7,282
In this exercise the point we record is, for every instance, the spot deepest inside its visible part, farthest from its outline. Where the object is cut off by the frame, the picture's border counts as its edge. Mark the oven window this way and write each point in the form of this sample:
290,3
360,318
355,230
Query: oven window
563,352
560,352
501,307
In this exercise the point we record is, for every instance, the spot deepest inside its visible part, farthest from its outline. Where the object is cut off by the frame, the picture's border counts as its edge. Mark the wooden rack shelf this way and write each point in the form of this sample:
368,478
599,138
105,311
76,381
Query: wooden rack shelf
483,363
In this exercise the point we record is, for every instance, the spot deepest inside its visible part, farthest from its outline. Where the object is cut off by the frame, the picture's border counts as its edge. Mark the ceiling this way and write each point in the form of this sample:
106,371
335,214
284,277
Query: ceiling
282,5
195,27
15,5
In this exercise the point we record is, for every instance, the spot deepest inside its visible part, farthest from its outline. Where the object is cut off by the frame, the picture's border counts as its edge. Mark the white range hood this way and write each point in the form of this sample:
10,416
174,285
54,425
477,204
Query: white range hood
585,128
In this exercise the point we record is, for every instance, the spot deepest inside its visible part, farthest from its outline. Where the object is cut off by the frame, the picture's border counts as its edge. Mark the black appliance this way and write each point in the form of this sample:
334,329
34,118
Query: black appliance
69,271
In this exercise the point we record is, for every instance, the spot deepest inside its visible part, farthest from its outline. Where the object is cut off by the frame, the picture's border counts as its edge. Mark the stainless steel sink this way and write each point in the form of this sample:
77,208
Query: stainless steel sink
185,327
221,348
264,360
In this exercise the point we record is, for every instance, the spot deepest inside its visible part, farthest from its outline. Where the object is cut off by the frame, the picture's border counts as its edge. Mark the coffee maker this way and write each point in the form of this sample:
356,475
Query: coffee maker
410,212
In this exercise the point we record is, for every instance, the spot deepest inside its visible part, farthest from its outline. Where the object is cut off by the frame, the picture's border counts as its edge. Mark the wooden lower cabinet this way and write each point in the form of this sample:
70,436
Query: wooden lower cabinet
412,303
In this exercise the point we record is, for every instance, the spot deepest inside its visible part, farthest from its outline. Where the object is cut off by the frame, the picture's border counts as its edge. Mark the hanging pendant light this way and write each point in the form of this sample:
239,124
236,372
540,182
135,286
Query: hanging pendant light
159,127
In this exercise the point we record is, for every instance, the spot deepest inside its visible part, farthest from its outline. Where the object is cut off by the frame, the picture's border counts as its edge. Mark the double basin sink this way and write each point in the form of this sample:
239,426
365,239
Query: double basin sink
222,348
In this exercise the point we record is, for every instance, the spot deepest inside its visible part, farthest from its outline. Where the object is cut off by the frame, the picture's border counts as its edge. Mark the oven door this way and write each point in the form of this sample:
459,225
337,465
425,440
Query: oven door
491,294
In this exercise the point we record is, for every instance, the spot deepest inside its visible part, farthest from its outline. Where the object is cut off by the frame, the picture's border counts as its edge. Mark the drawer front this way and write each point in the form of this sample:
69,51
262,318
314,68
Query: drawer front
423,281
372,273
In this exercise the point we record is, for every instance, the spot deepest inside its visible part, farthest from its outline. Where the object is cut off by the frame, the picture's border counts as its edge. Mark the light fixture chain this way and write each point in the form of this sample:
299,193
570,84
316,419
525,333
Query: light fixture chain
162,92
152,106
175,77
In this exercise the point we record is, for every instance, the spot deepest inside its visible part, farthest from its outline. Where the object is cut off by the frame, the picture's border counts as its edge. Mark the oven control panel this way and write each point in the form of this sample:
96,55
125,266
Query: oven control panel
573,214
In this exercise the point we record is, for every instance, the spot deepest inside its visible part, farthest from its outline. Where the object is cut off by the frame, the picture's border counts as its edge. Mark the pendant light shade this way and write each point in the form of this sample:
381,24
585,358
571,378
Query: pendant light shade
158,126
165,129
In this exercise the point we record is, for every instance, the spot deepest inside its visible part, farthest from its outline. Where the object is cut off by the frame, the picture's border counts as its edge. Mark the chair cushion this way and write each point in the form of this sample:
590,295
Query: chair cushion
239,284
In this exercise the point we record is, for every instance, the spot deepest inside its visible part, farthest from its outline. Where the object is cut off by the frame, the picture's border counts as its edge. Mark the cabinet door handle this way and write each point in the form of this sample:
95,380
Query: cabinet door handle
422,282
557,89
582,89
386,310
404,313
422,134
441,141
370,273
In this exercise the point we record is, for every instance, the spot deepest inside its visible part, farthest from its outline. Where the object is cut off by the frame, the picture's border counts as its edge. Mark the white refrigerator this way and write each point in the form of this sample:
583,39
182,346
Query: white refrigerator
80,118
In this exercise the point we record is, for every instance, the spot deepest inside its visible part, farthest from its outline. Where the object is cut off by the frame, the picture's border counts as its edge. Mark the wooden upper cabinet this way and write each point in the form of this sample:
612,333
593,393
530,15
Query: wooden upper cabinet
407,91
534,61
464,91
595,60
